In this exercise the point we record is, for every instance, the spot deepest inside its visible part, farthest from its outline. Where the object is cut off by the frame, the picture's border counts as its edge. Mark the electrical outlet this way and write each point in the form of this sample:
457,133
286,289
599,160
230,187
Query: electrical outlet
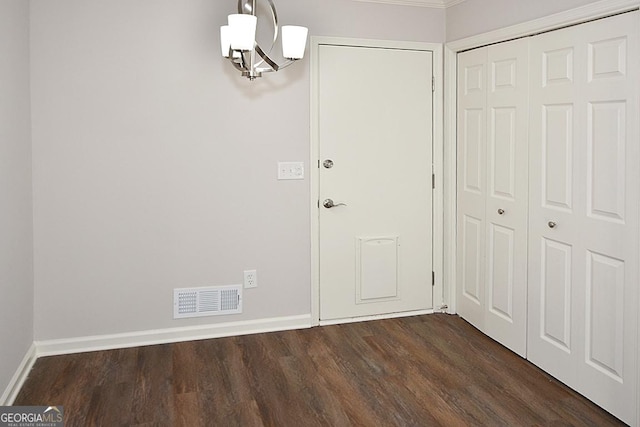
250,279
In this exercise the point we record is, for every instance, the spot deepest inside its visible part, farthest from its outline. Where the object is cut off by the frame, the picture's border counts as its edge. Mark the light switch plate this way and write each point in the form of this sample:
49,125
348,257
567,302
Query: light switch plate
290,170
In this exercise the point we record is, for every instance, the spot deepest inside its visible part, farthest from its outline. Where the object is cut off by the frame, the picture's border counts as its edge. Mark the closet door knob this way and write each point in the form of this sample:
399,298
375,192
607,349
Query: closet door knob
500,211
552,224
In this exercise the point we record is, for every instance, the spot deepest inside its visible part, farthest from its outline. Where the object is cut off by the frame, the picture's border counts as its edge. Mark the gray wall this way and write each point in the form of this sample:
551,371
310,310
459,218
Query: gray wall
16,253
473,17
155,163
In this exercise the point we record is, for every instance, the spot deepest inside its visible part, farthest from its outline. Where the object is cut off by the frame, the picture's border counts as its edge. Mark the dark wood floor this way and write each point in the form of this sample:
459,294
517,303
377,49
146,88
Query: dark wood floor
417,371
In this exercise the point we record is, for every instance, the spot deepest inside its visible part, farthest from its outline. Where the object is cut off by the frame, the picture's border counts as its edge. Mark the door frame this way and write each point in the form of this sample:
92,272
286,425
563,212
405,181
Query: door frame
438,162
589,12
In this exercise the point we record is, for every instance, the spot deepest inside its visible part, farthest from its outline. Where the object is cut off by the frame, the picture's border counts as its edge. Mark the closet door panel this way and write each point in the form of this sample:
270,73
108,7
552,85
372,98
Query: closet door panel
492,191
507,195
556,138
501,273
605,315
473,150
503,142
471,189
606,153
472,260
583,252
555,293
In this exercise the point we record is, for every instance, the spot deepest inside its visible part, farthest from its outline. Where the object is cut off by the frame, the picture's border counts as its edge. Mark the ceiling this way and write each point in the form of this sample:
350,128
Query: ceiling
441,4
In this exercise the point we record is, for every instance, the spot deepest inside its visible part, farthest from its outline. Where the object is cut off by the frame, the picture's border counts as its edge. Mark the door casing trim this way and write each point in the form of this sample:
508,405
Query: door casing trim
438,161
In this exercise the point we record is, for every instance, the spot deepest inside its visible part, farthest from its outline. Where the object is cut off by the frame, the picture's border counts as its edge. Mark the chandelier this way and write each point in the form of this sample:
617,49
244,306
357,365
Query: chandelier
238,41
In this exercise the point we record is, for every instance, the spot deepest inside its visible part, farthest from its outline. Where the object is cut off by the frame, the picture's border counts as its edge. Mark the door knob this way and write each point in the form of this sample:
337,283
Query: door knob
500,211
552,224
328,163
328,203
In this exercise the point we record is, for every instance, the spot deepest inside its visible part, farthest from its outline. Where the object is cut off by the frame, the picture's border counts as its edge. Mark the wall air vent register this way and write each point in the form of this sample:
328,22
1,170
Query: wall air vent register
207,301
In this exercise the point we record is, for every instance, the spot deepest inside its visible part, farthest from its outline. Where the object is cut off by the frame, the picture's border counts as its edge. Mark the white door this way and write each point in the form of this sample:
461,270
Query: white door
583,251
492,191
375,134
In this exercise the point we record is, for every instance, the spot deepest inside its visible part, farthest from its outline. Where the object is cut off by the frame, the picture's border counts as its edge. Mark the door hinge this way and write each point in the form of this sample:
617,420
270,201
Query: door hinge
433,84
433,278
318,163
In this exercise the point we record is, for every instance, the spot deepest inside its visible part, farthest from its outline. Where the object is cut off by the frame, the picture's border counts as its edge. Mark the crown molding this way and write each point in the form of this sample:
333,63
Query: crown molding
578,15
438,4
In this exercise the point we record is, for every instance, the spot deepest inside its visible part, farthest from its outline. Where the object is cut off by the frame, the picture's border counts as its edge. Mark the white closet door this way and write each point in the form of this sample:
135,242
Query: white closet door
507,195
472,185
583,252
492,191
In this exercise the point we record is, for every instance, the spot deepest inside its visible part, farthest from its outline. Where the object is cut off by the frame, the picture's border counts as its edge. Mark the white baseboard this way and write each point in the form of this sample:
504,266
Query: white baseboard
165,336
375,317
19,377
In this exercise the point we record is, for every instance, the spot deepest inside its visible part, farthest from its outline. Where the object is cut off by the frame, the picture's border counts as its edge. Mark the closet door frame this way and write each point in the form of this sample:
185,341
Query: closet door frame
582,14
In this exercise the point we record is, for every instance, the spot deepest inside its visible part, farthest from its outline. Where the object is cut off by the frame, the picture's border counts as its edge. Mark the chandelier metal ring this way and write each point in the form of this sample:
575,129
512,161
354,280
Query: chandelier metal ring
249,7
